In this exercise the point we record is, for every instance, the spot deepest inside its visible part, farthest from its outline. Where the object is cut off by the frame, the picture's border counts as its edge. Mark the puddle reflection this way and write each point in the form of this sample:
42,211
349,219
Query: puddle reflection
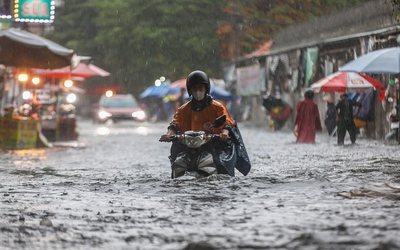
103,131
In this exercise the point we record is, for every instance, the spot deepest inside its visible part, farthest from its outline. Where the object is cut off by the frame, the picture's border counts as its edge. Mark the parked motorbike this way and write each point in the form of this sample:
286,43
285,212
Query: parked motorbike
203,154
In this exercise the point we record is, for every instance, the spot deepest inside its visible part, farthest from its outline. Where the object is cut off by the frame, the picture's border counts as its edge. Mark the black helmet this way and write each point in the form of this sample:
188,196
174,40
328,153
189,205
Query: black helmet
197,77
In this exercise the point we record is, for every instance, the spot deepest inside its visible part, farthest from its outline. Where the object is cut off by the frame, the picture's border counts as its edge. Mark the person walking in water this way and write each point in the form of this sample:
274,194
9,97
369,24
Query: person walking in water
307,119
345,118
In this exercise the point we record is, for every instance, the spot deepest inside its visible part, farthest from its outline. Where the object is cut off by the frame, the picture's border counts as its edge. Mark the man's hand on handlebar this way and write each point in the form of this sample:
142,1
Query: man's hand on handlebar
224,135
167,136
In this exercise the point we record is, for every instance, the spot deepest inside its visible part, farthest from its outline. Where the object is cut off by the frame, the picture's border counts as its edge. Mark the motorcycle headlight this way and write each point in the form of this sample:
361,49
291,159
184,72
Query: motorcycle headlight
140,115
104,114
194,141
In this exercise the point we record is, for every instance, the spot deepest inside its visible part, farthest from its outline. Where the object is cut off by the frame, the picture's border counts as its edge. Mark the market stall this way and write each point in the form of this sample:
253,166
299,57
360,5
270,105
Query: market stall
20,125
18,133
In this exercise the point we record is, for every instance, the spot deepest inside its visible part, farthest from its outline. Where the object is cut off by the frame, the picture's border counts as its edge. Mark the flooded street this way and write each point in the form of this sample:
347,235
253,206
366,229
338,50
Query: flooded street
112,190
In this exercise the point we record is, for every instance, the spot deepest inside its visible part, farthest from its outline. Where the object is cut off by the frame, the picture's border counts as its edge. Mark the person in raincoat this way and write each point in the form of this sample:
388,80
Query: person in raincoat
307,119
200,113
278,110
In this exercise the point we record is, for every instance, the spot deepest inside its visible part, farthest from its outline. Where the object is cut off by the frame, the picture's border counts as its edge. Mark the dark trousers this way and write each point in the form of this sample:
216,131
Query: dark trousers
330,125
176,148
343,126
224,155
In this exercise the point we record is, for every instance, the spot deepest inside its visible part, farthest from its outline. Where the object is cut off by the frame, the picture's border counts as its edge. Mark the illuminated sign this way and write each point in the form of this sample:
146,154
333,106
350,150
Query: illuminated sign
40,11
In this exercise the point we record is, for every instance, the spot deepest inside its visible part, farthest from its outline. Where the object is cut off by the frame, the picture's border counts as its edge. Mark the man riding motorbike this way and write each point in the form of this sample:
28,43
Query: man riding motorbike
199,114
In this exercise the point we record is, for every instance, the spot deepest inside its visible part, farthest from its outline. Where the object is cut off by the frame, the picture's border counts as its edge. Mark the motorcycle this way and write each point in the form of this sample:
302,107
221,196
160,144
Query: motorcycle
203,155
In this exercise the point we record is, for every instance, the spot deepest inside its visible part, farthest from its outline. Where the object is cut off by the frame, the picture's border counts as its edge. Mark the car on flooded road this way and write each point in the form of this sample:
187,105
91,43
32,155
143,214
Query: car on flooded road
118,107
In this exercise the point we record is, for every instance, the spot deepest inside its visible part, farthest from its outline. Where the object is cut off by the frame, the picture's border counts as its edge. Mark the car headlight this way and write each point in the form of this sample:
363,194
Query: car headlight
104,114
141,115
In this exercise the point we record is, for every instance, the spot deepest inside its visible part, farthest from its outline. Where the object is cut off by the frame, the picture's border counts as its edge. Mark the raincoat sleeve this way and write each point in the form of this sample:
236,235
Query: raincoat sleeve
221,110
318,125
178,120
299,116
243,164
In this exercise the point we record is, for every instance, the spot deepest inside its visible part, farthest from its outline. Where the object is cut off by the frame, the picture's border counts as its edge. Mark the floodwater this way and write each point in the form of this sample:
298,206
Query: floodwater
111,190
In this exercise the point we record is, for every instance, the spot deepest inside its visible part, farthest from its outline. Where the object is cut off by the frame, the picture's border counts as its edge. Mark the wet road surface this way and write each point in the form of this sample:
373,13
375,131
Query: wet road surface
111,190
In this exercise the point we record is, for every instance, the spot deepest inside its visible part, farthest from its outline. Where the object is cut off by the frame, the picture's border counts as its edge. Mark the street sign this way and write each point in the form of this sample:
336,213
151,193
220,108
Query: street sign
34,11
43,96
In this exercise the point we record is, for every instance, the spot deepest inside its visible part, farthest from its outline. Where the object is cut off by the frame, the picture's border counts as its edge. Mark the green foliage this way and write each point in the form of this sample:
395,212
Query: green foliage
261,18
140,40
396,9
75,27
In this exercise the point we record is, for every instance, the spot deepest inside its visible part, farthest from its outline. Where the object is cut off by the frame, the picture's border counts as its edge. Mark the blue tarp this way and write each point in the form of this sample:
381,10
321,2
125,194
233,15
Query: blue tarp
155,91
221,94
366,112
161,91
217,93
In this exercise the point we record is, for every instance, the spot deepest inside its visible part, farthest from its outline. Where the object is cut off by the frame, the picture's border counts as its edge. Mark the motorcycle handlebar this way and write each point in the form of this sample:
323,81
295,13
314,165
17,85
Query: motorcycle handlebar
168,139
176,137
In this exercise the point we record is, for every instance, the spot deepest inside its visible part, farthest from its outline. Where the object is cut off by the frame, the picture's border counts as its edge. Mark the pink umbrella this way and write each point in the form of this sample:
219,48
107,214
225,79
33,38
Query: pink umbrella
179,83
99,71
346,81
82,70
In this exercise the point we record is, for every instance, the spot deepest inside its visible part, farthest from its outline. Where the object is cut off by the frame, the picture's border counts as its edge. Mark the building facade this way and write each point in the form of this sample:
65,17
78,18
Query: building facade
301,55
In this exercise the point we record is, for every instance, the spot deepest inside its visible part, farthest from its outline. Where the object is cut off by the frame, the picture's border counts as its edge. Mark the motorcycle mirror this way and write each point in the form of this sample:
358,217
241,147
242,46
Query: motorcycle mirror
220,121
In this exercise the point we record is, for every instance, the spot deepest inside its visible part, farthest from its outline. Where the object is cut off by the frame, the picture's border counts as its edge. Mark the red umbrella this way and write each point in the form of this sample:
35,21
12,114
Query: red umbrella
82,70
346,81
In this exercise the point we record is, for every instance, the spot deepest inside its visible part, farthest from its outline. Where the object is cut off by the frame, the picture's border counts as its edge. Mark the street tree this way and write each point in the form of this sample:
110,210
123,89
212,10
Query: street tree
151,38
140,40
251,23
396,9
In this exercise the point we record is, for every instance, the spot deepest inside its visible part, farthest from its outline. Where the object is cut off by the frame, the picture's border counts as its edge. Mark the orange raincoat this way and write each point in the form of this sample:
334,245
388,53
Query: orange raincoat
186,119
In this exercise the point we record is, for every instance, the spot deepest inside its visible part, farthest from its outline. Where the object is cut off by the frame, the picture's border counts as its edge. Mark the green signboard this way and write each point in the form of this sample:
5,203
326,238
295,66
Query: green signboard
311,65
6,23
34,10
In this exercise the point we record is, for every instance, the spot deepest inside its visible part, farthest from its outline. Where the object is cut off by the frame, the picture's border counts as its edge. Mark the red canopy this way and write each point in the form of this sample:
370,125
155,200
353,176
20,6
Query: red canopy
82,70
346,81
